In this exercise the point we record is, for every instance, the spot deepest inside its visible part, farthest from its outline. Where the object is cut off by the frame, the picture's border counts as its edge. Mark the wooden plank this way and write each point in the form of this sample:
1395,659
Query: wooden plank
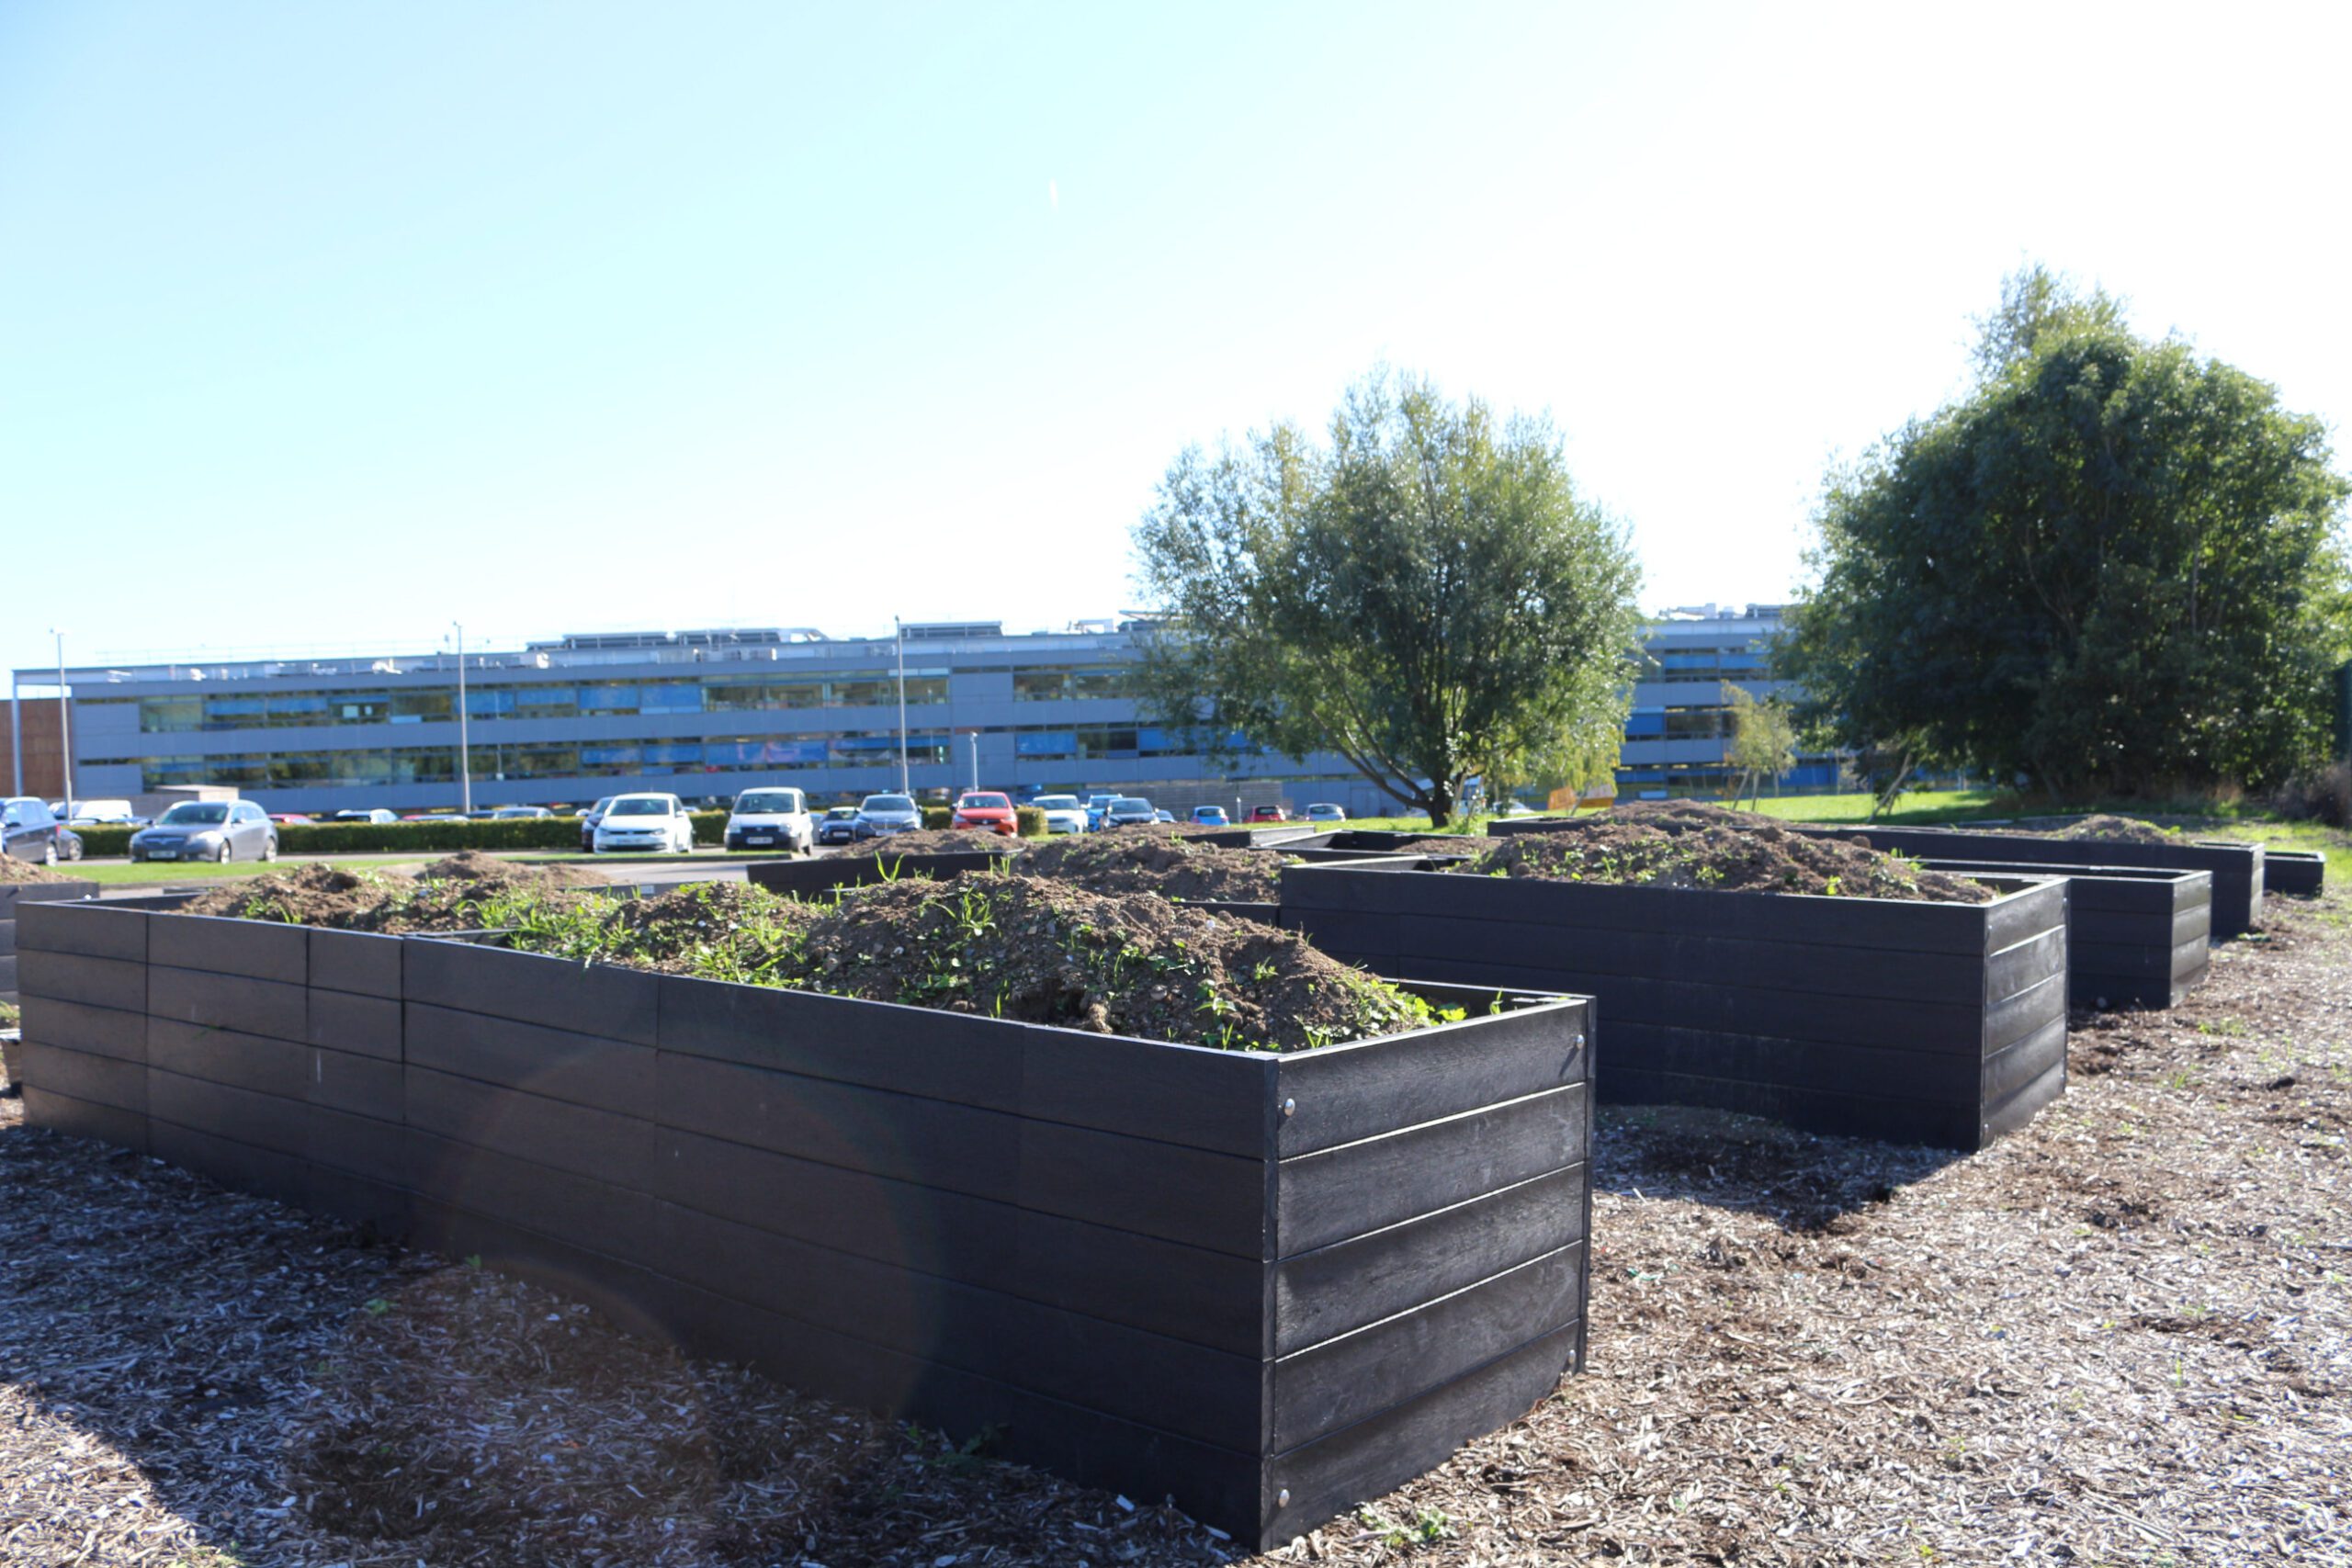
585,1069
2013,1018
7,969
1343,1093
364,962
561,1204
2021,1106
85,1119
76,1026
1333,1473
347,1021
376,1208
1880,924
229,1001
78,1074
365,1147
258,949
1183,1388
598,1000
239,1167
1187,1292
362,1085
1335,1193
263,1120
1885,1070
230,1056
2299,872
1938,1126
2024,964
553,1133
77,978
1333,1289
1357,1376
2020,916
99,930
1202,1098
2007,1070
1190,1195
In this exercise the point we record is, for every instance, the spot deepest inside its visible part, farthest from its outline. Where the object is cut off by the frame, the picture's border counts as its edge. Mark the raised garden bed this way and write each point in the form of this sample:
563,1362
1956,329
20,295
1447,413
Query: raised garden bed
2135,936
2300,871
2237,868
11,895
1941,1023
1268,1285
808,878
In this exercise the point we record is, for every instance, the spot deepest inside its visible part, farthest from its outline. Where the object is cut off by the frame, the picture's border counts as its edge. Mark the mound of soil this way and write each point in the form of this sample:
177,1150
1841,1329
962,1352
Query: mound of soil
938,841
1017,947
15,870
446,896
1680,845
1447,844
1163,862
2116,829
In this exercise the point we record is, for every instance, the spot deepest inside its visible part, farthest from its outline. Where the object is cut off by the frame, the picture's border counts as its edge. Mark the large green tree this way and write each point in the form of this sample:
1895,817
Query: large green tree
2111,568
1423,593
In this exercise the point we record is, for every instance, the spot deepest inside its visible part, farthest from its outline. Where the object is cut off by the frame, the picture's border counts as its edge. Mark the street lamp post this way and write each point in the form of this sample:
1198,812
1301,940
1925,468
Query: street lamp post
901,626
976,759
64,729
465,751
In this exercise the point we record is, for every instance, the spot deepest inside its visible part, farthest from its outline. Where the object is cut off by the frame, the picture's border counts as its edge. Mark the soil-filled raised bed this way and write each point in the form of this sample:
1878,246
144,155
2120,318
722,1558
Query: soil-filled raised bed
2237,868
808,878
2135,936
2300,872
1270,1285
11,895
1940,1024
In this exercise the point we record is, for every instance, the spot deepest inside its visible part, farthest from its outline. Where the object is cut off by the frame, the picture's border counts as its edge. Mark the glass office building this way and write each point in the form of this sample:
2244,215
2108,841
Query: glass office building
706,714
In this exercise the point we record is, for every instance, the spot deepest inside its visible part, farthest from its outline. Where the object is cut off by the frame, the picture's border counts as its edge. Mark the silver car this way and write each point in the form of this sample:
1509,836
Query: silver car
216,830
882,814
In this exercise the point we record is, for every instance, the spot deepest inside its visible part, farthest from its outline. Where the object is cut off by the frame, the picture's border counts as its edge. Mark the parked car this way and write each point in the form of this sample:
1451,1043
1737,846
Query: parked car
1163,817
220,830
1097,807
1064,813
1210,817
1324,811
97,814
882,814
1128,811
520,814
291,818
375,815
983,808
29,830
838,827
771,820
657,823
68,844
588,821
1268,814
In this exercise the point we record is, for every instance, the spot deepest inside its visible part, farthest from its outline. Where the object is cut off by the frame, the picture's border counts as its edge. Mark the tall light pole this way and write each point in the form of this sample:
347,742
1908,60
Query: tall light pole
16,731
464,752
975,761
901,626
64,729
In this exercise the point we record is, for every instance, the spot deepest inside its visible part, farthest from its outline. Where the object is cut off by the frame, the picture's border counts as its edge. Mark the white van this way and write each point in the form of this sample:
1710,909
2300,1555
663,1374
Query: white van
771,818
96,813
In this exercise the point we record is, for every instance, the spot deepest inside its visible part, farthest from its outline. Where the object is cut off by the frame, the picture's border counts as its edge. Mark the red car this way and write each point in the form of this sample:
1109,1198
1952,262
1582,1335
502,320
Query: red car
291,818
1268,814
978,808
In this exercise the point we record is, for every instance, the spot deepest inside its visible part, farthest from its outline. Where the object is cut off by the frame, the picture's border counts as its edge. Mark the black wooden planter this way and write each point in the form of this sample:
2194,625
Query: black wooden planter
1268,1286
2300,872
808,878
2135,936
1915,1022
11,895
2237,868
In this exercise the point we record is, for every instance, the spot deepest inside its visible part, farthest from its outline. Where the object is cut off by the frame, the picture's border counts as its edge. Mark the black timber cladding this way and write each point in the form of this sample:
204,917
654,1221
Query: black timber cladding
2136,936
1271,1286
1911,1022
13,894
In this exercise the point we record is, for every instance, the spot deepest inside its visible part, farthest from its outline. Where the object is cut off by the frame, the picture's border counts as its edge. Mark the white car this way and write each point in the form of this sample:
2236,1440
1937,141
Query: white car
1064,813
771,820
654,822
1324,811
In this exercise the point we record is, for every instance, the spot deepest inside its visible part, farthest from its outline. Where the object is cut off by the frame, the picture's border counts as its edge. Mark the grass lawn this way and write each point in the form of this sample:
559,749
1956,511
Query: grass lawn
152,873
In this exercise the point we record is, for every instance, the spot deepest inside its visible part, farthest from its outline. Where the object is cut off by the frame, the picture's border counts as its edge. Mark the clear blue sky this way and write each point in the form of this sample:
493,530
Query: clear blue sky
327,324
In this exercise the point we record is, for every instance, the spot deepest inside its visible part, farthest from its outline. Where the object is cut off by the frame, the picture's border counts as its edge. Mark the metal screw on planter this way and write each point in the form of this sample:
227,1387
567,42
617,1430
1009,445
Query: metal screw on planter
1579,1042
1282,1498
1290,1107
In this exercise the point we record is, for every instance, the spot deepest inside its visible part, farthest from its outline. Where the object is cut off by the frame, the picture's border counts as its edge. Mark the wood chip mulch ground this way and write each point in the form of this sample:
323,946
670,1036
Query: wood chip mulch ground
2122,1336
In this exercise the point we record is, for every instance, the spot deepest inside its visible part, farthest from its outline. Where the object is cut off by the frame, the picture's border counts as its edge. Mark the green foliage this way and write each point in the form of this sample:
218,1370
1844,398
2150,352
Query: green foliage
1029,821
1763,742
2112,568
938,815
436,837
1425,596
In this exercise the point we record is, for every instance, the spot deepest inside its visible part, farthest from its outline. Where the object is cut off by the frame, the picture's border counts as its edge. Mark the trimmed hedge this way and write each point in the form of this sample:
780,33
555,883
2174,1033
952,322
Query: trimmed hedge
1029,821
938,815
374,838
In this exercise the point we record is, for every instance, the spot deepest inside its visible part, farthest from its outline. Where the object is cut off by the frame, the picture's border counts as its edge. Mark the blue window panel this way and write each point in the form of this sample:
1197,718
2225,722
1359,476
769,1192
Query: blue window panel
1049,743
1645,721
607,756
675,753
671,697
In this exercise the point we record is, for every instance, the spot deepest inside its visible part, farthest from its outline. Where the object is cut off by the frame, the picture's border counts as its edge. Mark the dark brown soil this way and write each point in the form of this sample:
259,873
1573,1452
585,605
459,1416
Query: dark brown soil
1447,844
15,870
937,840
1683,844
1016,947
1167,863
2116,829
446,895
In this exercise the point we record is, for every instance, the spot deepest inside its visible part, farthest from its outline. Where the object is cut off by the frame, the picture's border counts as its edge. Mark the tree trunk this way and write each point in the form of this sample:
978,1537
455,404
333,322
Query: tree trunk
1439,803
